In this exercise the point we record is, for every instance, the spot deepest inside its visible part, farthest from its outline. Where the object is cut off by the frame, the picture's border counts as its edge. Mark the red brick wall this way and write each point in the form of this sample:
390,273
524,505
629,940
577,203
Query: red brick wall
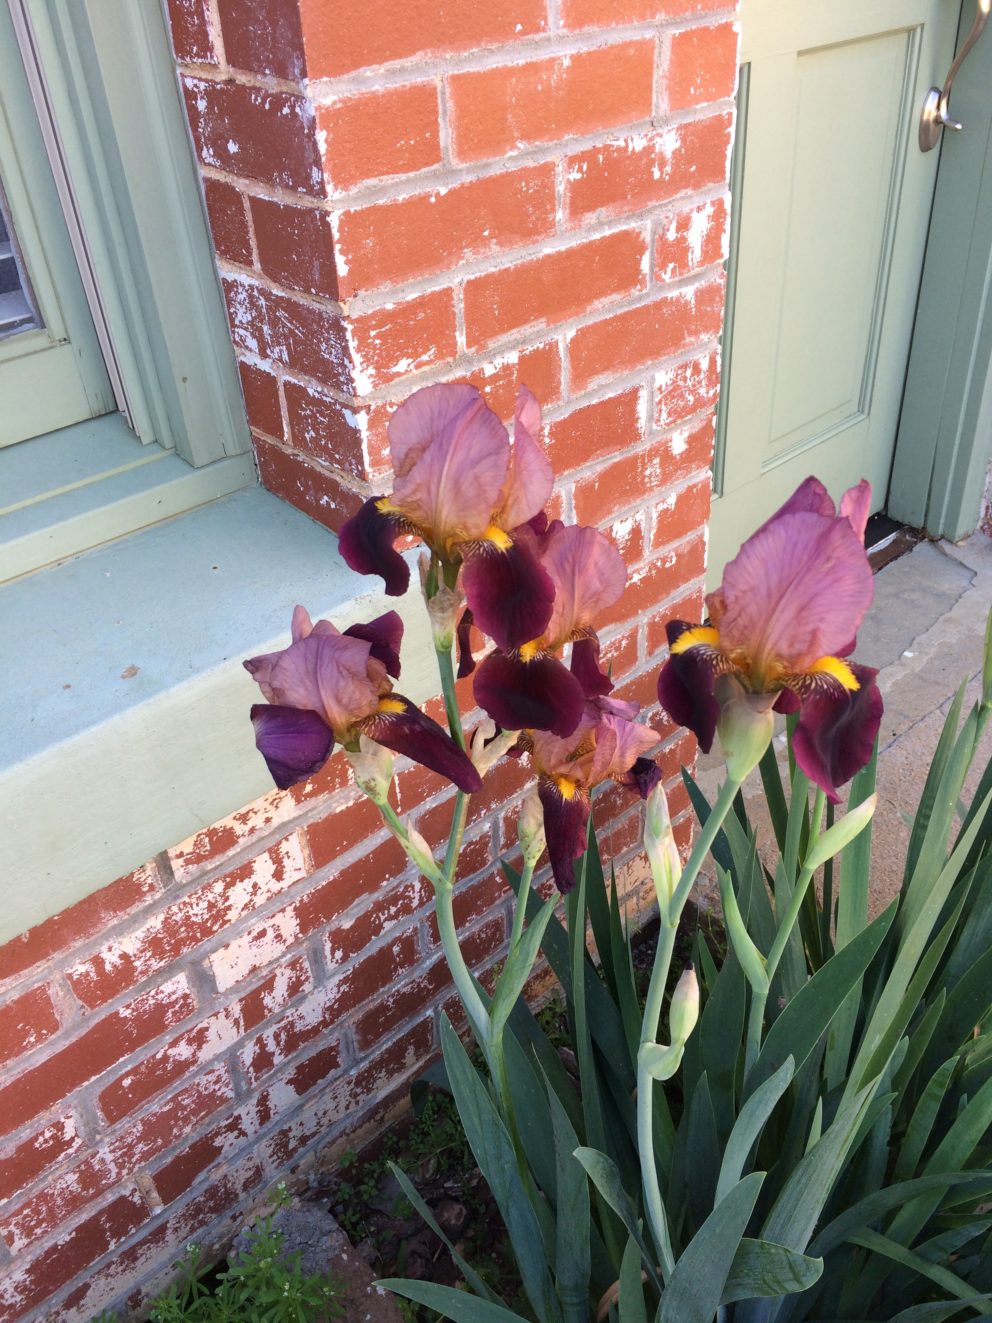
399,193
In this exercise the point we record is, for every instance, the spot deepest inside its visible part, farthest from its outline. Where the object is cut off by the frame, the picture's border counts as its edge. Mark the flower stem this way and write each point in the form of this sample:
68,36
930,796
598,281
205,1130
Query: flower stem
478,1016
756,1016
396,825
520,912
653,1203
446,667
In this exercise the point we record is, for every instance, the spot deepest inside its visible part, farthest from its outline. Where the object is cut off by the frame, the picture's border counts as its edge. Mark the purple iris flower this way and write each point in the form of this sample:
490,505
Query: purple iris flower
329,686
783,621
464,489
526,686
606,744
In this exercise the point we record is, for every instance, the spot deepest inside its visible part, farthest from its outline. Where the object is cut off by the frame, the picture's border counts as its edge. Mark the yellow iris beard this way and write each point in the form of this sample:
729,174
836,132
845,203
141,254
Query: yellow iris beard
502,541
566,787
838,670
391,705
530,650
385,506
693,638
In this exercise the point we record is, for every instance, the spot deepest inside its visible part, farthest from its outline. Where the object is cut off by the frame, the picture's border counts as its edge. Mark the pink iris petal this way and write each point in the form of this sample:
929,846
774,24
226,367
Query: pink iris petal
588,573
536,695
366,546
608,706
565,825
332,675
451,455
509,592
586,668
530,479
797,590
414,734
630,741
302,625
555,755
385,634
810,497
855,506
260,668
685,689
836,731
294,744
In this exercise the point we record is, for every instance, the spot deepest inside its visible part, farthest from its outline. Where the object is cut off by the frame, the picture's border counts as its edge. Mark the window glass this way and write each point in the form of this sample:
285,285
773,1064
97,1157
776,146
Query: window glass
18,311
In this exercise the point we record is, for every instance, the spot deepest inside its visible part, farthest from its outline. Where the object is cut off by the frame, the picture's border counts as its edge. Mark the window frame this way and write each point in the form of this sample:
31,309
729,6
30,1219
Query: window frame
104,85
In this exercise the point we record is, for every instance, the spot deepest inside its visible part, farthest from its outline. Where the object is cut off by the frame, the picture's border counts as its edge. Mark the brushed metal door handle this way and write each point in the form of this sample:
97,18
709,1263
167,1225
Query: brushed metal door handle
936,106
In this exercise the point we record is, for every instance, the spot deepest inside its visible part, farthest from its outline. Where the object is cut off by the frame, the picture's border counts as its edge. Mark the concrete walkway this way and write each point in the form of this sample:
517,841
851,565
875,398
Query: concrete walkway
925,634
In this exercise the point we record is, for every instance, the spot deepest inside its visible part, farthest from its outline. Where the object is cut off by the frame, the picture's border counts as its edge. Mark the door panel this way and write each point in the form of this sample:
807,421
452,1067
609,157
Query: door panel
830,227
51,370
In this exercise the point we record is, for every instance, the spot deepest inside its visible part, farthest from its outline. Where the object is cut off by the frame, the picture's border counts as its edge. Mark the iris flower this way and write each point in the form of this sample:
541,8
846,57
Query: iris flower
329,686
783,622
527,686
606,744
462,488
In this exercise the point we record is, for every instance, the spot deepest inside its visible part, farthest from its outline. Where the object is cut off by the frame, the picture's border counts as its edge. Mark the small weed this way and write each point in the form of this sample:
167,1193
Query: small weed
263,1285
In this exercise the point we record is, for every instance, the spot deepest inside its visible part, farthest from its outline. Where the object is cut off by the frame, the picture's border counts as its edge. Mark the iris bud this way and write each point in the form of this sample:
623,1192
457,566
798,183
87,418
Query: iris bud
745,727
530,828
444,606
420,852
373,768
840,834
684,1010
660,847
751,960
660,1060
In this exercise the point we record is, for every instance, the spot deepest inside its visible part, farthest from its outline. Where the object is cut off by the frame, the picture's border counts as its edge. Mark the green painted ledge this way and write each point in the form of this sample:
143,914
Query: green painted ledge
127,705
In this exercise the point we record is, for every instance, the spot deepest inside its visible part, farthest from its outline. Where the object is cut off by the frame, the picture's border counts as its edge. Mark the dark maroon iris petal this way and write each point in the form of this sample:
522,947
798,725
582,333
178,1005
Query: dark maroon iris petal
509,592
366,545
537,695
787,702
293,742
385,633
643,776
539,523
836,731
565,822
466,662
586,668
685,691
416,735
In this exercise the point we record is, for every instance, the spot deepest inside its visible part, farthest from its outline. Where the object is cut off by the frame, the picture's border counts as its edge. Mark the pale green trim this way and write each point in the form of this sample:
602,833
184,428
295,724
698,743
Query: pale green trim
110,83
53,376
945,434
59,503
128,705
733,260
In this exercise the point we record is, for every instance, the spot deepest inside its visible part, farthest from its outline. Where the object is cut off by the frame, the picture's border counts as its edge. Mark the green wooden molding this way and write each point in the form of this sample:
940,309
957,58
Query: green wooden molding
55,375
109,86
944,442
128,727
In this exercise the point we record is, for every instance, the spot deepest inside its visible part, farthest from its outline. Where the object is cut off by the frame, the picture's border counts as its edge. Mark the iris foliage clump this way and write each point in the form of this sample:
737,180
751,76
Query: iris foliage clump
831,1158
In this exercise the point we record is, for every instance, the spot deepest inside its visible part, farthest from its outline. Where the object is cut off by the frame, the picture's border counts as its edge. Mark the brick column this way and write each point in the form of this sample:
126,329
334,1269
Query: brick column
400,192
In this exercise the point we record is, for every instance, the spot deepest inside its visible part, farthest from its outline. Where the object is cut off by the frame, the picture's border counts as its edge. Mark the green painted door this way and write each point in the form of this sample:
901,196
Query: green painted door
832,199
52,372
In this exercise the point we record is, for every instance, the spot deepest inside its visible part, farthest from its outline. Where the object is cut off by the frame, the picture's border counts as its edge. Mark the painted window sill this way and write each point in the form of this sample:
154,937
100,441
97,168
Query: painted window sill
127,705
71,490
